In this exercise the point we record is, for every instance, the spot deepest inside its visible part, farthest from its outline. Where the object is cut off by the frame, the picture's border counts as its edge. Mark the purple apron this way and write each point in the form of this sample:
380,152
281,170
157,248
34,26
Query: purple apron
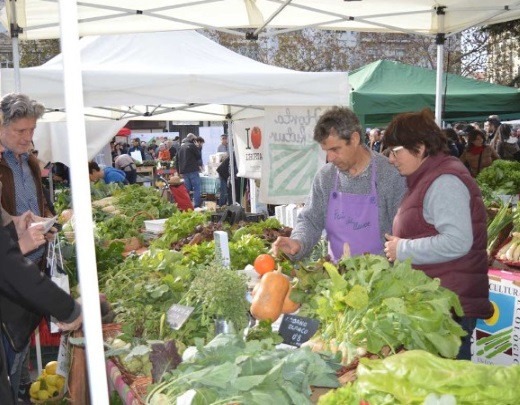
354,218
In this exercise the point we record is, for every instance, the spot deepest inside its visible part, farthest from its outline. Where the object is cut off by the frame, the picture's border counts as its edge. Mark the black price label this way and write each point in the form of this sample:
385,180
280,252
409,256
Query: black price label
177,315
296,330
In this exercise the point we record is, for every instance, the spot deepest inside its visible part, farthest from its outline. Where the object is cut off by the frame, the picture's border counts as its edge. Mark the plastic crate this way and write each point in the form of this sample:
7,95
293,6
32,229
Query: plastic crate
250,217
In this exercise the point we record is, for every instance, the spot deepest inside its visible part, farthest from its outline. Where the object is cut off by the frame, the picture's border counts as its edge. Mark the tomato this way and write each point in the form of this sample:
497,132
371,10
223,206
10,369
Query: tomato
264,263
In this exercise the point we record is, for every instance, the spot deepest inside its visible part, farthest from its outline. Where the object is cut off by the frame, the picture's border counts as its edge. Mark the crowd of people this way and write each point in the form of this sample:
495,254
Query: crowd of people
476,147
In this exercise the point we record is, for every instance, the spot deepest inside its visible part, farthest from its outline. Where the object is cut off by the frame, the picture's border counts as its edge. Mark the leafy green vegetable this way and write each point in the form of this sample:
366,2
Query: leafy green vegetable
376,304
219,292
263,330
180,225
229,370
503,176
411,377
116,227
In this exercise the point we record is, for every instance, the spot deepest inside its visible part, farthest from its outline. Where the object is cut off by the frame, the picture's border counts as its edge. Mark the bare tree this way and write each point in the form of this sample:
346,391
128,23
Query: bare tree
37,52
504,52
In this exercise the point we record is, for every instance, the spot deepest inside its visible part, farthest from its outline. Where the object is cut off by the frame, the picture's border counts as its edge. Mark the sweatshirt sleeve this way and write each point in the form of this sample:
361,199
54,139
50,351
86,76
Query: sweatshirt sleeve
447,207
21,281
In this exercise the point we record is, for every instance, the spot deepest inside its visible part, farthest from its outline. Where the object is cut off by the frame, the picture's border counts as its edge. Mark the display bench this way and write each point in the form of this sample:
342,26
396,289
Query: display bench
145,175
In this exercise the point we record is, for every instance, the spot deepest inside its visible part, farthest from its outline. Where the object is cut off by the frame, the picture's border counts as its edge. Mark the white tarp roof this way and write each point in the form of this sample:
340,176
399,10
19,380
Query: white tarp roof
40,18
181,75
176,68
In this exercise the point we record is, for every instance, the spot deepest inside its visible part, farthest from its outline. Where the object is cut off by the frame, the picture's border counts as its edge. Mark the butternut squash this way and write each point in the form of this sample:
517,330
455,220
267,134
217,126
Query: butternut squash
289,306
255,289
269,297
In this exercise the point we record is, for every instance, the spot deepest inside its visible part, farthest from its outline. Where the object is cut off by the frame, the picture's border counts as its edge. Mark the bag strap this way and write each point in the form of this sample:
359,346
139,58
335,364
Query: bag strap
479,162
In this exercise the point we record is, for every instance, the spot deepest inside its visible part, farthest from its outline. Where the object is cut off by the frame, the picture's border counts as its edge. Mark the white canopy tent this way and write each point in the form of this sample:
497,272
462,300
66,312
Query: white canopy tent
45,19
36,19
175,75
40,18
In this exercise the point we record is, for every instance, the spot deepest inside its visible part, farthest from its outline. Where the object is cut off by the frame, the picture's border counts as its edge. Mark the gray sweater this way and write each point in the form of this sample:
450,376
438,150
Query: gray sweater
447,207
390,185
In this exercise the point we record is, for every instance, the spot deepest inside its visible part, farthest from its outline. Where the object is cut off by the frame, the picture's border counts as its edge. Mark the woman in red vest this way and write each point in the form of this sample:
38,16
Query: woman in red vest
441,222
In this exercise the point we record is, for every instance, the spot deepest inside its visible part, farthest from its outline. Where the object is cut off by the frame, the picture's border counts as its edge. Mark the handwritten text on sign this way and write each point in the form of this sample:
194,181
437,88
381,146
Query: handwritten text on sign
296,330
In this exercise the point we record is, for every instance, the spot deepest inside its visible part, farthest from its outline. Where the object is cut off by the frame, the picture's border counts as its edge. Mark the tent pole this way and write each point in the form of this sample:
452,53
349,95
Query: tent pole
231,157
440,40
81,201
14,31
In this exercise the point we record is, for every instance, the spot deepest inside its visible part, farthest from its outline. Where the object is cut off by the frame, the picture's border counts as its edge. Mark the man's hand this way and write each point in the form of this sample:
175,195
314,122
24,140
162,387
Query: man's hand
286,245
31,239
74,325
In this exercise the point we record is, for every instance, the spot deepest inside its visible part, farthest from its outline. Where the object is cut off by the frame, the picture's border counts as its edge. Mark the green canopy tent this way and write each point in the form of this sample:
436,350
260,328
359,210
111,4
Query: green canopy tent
384,88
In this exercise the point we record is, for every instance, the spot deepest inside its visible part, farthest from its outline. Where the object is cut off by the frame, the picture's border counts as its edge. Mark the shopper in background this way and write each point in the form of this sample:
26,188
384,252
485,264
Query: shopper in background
136,147
441,222
508,148
354,197
374,140
108,174
493,139
188,167
453,140
200,144
477,154
223,147
125,163
164,153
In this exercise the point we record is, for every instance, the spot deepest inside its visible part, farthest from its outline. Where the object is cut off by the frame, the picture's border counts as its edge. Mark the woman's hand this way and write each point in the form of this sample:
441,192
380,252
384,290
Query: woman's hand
391,247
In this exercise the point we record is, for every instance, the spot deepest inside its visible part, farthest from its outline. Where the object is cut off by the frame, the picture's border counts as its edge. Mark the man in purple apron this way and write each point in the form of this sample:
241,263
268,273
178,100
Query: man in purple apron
354,197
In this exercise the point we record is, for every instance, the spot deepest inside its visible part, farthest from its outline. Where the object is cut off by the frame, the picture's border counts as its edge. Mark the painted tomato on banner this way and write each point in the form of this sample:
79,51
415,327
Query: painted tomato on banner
256,137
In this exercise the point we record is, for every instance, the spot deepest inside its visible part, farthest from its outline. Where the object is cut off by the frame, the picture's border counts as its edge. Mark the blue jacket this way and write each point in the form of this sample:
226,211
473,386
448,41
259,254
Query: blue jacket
113,175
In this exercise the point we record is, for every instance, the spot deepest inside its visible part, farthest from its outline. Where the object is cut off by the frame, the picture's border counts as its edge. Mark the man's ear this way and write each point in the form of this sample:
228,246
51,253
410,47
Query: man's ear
355,138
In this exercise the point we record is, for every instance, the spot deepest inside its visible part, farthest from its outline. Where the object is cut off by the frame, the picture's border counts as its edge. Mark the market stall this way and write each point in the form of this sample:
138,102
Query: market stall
178,269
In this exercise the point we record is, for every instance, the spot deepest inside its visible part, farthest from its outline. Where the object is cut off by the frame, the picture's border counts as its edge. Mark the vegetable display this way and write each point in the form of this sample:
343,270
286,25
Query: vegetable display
375,304
228,370
413,376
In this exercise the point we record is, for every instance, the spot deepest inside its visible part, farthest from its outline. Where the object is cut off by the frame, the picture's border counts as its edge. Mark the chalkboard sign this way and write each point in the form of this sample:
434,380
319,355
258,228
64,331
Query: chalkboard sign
177,315
296,330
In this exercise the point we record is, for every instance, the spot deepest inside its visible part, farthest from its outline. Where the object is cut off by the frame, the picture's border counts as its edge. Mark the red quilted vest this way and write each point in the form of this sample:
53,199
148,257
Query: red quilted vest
468,275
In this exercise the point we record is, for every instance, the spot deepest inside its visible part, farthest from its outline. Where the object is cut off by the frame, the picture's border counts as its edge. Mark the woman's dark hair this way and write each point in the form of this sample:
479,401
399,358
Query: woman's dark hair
414,129
473,134
505,131
451,134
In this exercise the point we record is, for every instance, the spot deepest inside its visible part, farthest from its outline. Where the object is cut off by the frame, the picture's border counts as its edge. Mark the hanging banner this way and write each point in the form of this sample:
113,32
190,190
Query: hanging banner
291,158
248,146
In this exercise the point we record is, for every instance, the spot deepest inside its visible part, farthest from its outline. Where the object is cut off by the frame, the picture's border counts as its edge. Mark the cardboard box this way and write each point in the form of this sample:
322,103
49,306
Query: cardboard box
497,340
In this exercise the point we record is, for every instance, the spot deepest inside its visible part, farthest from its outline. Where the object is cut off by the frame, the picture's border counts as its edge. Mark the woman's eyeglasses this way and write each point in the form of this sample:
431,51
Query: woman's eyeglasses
395,150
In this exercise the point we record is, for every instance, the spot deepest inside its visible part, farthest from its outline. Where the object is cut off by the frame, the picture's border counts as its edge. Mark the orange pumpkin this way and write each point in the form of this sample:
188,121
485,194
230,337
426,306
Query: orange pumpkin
289,306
